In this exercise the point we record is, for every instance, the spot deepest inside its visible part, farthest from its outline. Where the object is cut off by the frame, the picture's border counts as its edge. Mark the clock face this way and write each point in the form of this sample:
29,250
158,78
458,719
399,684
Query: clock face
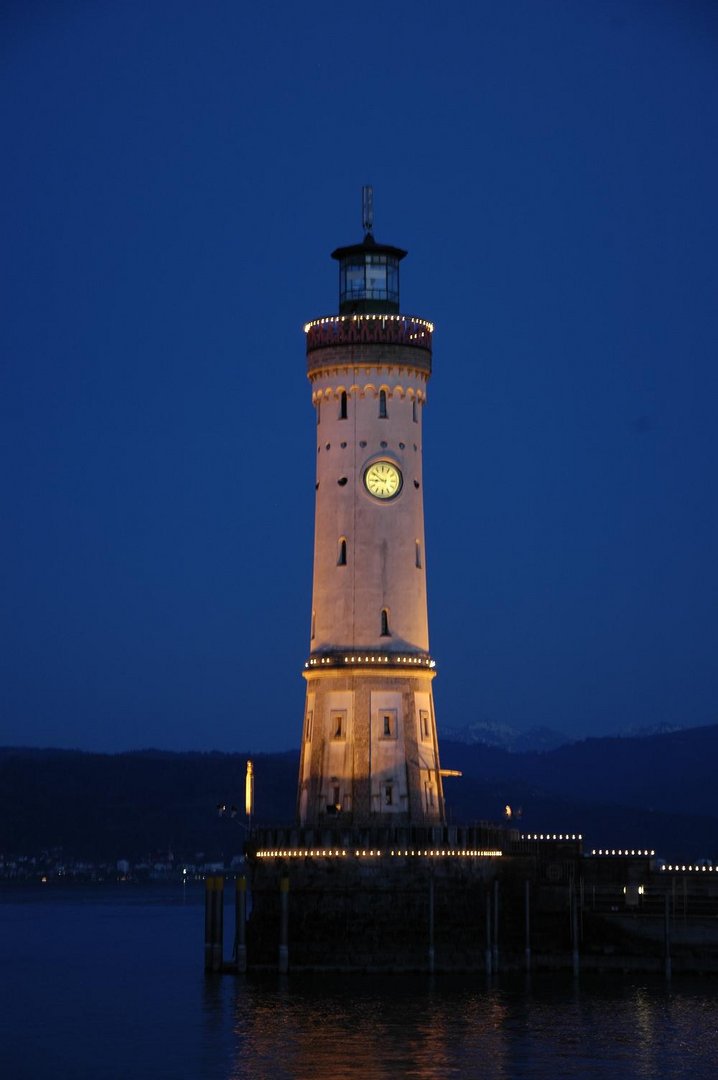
383,480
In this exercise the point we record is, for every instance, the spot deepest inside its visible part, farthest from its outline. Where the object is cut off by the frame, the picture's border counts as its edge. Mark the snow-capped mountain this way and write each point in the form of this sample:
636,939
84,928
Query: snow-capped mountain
490,733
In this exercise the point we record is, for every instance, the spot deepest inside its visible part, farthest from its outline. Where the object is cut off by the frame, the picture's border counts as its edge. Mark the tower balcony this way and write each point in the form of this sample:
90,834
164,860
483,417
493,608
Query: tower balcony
369,658
341,331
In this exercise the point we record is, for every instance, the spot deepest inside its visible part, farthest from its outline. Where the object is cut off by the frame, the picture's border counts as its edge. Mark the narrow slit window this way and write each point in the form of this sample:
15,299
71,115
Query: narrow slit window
336,793
338,725
388,724
388,794
342,552
343,405
382,405
314,624
418,555
385,622
414,411
308,731
424,723
319,413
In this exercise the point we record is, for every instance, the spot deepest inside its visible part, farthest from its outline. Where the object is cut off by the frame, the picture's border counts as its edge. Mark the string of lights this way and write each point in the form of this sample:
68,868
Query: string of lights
342,853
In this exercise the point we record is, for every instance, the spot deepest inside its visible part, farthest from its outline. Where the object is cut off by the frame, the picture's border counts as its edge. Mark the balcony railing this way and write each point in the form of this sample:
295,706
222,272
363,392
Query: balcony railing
369,329
348,658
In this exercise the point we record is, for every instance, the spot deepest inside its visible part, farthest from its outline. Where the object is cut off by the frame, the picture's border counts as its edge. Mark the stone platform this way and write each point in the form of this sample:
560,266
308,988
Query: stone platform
474,898
406,899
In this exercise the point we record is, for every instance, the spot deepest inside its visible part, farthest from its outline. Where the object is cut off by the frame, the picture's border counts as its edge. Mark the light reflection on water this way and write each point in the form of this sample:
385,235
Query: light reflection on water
545,1027
108,984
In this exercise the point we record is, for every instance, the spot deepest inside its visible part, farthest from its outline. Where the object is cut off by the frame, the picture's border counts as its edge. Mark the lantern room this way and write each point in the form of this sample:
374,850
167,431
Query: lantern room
369,278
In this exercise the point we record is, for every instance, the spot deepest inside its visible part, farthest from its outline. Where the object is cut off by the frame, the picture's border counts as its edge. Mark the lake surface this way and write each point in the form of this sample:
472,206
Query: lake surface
107,982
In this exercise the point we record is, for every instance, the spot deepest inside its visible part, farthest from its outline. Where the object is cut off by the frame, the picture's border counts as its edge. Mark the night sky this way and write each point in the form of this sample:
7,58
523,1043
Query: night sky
174,177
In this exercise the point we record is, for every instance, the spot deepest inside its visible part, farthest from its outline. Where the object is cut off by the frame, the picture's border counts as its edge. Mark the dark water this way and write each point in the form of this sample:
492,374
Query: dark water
108,983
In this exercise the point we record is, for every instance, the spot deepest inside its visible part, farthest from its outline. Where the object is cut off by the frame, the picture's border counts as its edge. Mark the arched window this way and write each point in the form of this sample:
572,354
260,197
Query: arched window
382,404
343,406
342,553
385,622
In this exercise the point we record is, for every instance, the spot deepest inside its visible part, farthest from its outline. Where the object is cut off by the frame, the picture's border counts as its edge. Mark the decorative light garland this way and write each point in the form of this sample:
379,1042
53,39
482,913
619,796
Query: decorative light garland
369,318
551,836
330,661
619,851
689,869
359,853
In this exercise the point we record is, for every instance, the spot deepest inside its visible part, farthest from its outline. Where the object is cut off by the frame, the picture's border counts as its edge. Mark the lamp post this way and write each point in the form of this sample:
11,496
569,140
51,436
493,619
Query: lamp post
249,794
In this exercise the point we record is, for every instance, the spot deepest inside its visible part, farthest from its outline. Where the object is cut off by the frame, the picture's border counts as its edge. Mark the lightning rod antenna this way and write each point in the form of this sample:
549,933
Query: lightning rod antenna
367,208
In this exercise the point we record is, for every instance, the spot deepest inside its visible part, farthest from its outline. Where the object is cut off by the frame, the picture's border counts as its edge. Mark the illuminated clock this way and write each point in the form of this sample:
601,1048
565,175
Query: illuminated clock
383,480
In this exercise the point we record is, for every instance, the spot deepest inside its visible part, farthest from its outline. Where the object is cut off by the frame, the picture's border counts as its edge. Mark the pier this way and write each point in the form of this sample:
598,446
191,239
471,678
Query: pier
453,899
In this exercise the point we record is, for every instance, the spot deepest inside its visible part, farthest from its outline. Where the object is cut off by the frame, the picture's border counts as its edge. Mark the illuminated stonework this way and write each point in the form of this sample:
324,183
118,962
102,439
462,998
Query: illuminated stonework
369,747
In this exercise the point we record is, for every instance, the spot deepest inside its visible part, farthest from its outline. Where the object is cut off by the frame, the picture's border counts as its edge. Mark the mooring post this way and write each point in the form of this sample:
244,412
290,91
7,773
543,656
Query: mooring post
574,927
487,953
208,921
283,925
431,923
240,913
495,950
527,912
218,935
667,937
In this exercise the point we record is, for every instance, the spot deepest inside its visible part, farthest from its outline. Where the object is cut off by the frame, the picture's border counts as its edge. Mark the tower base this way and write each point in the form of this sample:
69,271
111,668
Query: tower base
370,756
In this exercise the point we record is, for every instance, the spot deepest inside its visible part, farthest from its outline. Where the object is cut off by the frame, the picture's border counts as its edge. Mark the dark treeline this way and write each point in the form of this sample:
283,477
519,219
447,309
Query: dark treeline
655,792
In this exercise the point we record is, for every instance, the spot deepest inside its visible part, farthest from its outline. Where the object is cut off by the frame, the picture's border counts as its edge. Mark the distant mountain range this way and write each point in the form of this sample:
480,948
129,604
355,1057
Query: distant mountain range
656,791
536,739
515,741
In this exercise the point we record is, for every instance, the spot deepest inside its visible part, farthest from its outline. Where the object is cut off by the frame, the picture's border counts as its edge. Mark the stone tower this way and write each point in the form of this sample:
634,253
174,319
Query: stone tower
369,749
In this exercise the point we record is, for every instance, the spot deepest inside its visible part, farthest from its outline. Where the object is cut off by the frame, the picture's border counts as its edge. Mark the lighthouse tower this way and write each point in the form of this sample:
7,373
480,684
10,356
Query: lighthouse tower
369,749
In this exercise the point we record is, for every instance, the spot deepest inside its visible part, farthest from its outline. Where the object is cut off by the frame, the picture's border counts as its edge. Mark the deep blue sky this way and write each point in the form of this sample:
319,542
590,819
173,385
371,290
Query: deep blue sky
174,177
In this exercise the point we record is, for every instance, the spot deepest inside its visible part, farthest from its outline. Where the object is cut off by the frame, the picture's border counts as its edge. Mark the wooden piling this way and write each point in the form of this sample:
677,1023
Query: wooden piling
495,948
208,922
283,925
487,952
218,924
431,924
573,917
667,937
527,927
240,914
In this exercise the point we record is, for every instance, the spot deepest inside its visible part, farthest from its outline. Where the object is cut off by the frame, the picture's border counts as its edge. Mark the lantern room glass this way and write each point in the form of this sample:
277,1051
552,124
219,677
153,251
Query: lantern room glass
369,277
